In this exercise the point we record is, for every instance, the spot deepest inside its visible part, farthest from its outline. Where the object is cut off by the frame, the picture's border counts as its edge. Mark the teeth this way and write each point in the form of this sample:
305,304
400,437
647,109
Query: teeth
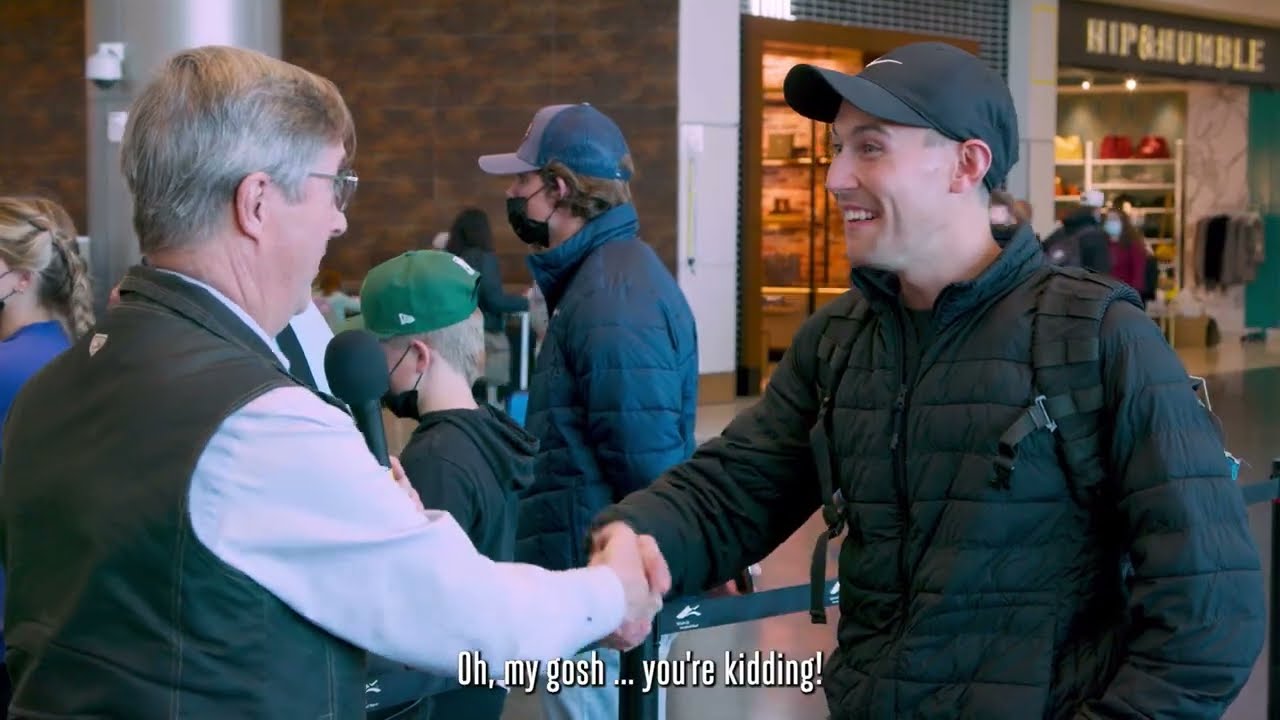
853,215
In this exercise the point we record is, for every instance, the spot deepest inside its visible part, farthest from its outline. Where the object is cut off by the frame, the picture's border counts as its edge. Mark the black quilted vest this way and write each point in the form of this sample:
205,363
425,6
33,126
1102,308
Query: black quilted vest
114,608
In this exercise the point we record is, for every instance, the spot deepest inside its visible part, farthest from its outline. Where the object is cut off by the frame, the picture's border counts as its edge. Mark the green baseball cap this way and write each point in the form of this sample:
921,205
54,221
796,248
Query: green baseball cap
417,292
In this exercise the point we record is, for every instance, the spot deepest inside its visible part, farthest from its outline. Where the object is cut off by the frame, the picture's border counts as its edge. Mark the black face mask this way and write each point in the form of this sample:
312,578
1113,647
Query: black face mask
530,231
403,405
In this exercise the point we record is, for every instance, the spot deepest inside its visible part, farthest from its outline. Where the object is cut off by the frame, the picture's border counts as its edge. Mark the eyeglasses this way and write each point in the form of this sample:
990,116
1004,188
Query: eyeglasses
344,187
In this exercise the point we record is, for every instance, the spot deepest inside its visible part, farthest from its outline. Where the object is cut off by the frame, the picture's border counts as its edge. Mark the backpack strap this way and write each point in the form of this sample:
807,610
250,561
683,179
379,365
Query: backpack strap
834,346
1066,361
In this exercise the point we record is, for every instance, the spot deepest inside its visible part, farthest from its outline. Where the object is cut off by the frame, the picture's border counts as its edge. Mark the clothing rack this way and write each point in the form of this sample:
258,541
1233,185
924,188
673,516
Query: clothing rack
1256,334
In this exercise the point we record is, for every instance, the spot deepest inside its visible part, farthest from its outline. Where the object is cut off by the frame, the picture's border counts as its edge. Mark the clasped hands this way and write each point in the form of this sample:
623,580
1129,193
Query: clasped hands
644,574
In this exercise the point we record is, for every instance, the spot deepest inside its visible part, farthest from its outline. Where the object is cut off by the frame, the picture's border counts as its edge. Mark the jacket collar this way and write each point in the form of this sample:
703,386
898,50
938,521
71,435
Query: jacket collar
198,305
553,269
1020,258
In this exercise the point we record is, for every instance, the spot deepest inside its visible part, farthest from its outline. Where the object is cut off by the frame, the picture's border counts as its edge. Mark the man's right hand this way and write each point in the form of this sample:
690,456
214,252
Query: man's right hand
401,479
645,579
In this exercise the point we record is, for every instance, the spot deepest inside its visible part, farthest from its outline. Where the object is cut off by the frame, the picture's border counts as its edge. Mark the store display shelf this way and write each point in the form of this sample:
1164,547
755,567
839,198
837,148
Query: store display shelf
793,162
779,225
1135,186
1118,162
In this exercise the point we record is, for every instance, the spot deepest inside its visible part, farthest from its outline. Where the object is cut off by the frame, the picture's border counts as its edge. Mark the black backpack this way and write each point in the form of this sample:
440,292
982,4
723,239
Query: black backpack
1066,375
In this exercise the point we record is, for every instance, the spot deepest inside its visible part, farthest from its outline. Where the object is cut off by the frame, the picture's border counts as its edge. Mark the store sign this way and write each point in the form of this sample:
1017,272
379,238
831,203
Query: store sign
1107,37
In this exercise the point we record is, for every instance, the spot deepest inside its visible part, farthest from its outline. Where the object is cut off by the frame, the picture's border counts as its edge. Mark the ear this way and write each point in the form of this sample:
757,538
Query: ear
561,188
422,357
25,278
249,206
974,161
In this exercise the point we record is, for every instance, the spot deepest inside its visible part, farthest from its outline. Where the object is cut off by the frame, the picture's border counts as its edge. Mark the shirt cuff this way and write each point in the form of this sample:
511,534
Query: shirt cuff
604,602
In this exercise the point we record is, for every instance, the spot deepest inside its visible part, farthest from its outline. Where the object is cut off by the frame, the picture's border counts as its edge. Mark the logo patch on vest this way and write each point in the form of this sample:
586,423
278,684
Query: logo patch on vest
96,343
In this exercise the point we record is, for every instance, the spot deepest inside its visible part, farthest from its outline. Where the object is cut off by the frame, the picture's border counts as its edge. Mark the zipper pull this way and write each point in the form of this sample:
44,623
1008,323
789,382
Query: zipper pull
899,405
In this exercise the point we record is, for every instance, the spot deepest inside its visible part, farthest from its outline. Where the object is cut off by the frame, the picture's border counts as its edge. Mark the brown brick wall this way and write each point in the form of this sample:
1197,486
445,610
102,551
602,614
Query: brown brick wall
43,145
433,85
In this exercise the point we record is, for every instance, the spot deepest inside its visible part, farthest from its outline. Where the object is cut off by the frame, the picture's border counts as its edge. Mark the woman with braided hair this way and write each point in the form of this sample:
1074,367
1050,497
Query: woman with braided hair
45,305
45,298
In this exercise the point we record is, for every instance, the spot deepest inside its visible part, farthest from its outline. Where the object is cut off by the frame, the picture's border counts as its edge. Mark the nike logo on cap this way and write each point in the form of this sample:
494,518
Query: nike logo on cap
883,60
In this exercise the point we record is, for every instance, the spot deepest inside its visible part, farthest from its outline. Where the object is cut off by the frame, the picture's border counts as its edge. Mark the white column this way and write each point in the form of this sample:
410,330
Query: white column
150,31
1033,81
710,40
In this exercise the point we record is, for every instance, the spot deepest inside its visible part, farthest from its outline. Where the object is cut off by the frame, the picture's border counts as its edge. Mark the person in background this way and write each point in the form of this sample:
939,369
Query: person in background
613,397
46,302
184,522
465,458
471,239
1128,250
334,304
1080,240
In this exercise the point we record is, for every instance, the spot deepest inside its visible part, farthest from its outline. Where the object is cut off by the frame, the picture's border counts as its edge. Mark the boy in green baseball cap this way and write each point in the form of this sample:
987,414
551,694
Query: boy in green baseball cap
462,458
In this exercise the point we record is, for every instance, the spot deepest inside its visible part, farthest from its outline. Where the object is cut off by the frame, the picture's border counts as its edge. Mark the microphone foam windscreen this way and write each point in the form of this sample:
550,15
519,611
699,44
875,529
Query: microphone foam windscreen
356,367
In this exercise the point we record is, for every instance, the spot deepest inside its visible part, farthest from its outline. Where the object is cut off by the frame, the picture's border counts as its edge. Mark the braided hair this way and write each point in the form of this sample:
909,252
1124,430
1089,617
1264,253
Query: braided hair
38,236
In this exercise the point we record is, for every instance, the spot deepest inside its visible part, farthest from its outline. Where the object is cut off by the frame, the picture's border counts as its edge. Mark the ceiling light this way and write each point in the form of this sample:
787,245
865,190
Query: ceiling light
1086,85
1130,84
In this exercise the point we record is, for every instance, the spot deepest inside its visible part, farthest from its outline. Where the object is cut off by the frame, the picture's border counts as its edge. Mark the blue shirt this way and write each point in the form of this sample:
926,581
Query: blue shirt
24,353
21,355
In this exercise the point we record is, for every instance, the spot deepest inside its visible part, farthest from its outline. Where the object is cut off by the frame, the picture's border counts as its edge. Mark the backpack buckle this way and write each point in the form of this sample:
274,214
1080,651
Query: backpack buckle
1040,414
833,514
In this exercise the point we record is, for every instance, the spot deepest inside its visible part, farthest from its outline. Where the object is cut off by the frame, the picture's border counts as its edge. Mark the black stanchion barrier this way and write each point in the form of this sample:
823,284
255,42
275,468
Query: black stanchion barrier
696,613
1273,640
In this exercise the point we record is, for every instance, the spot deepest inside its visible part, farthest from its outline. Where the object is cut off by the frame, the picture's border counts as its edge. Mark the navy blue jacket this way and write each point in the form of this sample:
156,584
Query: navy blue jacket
613,396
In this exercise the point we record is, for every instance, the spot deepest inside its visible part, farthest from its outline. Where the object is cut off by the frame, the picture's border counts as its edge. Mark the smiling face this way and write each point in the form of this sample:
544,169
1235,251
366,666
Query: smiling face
893,186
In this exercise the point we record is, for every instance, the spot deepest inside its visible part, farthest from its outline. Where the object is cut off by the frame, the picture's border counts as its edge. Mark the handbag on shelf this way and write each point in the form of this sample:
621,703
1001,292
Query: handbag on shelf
1153,147
1067,147
1115,147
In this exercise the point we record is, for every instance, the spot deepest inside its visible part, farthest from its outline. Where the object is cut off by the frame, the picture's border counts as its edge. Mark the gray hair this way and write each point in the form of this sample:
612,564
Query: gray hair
212,116
461,345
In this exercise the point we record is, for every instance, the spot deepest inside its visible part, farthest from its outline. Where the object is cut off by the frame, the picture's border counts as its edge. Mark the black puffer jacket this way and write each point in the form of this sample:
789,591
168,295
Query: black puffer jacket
962,598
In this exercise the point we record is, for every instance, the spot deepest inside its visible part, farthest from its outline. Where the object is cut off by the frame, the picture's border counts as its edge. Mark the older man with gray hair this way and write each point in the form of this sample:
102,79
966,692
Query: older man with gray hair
190,531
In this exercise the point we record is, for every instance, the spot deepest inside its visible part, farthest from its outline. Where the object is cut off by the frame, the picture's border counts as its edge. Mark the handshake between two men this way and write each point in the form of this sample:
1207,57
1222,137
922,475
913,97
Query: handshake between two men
645,579
635,559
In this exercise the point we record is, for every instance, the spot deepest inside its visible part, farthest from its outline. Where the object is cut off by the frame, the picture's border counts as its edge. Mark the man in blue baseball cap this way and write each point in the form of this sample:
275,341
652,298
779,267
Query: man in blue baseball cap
613,395
1040,519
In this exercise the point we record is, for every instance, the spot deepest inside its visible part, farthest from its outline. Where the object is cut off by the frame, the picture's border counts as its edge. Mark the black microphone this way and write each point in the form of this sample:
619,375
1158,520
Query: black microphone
357,372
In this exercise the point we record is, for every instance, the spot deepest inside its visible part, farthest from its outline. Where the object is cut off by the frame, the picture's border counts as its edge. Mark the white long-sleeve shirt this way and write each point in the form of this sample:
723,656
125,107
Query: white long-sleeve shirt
287,492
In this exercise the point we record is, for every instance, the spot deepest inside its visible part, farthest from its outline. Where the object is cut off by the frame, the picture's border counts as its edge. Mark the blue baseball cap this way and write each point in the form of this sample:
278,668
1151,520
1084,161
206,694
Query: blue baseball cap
581,137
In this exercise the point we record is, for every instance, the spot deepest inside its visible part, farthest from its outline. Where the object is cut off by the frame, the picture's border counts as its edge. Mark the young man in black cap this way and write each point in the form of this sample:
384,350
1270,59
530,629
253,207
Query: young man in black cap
1041,518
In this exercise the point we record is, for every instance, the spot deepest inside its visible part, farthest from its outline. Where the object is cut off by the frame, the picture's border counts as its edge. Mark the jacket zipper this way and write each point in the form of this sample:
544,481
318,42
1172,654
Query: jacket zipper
897,446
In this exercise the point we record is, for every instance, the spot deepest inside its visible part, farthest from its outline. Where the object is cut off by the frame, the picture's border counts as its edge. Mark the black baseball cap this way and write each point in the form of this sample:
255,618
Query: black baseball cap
929,84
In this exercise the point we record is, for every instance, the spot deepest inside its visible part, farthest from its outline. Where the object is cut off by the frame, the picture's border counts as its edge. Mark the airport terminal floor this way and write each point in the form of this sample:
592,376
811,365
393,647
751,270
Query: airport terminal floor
1244,383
